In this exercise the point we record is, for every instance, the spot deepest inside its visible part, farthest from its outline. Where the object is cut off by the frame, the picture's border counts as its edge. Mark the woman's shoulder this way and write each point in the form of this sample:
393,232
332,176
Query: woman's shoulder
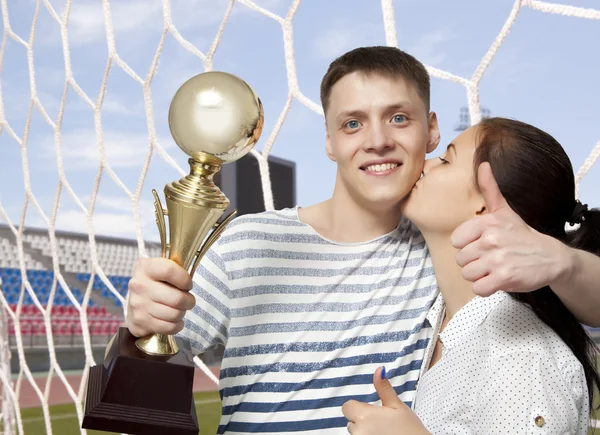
513,328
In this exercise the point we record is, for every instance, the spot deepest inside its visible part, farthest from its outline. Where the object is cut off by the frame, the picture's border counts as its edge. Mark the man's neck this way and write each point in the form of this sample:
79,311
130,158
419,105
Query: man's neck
456,290
343,220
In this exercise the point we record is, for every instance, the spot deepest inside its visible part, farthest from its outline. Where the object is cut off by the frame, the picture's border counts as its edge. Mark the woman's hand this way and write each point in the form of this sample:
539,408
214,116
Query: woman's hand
392,418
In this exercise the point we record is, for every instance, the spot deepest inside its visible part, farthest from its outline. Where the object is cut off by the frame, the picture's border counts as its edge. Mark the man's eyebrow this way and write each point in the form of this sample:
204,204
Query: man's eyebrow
351,114
357,113
400,105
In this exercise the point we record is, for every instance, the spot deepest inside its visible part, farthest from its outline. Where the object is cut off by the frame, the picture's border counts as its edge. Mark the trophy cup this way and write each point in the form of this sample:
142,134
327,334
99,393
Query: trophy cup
145,384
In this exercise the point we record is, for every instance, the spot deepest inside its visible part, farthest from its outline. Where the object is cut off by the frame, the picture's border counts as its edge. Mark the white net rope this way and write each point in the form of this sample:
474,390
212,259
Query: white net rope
11,414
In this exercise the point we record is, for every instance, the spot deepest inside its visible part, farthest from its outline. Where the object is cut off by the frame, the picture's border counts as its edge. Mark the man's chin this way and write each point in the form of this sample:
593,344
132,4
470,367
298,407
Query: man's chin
388,203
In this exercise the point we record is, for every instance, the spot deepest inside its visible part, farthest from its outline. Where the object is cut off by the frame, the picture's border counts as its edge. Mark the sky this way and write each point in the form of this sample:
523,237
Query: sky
545,73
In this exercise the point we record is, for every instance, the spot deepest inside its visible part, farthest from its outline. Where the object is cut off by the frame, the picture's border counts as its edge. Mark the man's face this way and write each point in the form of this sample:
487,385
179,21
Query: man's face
378,132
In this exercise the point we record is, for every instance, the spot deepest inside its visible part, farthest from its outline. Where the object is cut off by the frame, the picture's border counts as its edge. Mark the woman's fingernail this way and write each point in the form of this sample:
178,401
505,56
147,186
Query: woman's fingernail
383,373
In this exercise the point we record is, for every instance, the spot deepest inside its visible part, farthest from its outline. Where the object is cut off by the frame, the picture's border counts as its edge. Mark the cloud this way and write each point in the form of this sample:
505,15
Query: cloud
334,42
512,63
118,203
136,17
108,224
122,149
87,25
113,105
273,5
113,216
428,47
344,36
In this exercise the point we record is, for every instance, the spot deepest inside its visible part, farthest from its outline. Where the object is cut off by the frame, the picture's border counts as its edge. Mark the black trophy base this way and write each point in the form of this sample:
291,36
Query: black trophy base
138,394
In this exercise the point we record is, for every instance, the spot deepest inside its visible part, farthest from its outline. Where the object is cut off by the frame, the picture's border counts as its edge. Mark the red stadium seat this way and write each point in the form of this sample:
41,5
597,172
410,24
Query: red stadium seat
38,328
58,310
77,330
105,330
72,311
96,328
29,310
26,327
63,328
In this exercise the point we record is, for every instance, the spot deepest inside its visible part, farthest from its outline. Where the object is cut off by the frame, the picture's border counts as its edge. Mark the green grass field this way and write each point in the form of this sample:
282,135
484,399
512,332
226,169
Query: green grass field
64,418
208,408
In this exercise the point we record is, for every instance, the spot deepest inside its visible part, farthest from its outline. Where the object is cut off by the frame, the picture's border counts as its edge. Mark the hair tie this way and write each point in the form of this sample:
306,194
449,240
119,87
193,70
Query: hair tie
579,213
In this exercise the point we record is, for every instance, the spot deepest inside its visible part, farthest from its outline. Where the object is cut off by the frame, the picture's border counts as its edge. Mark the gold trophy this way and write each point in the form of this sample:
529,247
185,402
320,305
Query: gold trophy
145,384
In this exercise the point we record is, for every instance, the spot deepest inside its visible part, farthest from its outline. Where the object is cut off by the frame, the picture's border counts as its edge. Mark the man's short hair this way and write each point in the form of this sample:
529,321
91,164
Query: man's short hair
390,62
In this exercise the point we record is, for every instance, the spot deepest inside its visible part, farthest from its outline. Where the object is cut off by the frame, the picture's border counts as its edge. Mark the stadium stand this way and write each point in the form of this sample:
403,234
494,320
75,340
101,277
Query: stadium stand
104,312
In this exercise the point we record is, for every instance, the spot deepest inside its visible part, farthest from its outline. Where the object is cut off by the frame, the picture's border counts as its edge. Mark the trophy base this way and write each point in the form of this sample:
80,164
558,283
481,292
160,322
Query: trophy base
139,394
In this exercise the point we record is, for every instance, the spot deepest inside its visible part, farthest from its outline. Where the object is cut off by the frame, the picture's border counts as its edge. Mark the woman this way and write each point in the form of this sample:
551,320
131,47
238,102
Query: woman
509,363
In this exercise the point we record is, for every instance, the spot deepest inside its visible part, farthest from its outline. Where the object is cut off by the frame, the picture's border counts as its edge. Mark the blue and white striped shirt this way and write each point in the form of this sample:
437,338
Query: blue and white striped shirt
306,321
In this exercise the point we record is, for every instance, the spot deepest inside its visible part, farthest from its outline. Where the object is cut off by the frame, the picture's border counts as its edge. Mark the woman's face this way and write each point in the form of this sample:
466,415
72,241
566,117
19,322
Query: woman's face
446,195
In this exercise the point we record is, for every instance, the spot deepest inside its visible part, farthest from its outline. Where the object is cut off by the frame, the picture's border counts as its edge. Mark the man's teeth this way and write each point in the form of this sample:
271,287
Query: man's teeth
381,168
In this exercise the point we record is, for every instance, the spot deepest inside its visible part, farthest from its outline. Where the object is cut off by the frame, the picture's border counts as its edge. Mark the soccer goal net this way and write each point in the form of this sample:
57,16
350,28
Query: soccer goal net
64,275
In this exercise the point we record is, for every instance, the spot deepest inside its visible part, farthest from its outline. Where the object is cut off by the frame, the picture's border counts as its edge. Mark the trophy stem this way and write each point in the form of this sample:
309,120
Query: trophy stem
157,344
194,204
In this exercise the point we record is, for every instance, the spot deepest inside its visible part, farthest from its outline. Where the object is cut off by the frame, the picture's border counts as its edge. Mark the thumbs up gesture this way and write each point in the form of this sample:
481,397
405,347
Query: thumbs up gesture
499,251
393,417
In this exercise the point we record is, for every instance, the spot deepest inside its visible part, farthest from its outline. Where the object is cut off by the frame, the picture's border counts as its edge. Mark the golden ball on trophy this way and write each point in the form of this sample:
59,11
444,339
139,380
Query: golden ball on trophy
216,113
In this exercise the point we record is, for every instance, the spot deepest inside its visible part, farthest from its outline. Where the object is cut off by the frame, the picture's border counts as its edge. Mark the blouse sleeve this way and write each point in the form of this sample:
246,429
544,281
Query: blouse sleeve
526,393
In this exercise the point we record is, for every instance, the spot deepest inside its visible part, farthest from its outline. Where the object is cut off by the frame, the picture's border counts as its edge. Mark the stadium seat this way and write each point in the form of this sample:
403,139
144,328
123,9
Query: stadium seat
38,328
77,330
25,327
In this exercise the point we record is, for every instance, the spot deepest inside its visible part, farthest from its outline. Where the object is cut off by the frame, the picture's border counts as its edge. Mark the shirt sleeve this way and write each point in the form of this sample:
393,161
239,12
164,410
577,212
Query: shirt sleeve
207,324
526,393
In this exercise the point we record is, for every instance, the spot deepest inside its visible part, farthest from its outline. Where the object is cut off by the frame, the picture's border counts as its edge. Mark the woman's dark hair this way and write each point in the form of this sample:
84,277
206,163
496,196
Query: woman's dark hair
536,177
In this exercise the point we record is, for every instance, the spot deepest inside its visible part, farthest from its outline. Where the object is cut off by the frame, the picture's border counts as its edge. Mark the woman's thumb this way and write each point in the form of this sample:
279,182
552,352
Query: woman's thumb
386,392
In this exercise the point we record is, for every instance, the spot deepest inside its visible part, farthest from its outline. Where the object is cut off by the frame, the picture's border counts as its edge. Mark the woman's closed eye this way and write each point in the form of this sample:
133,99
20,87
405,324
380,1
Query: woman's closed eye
444,161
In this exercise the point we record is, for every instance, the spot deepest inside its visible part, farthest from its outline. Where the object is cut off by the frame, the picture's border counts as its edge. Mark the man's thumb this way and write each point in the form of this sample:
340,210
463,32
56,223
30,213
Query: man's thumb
385,390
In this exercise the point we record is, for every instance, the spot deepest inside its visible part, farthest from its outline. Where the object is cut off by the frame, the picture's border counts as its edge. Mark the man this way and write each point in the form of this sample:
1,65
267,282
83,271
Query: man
310,301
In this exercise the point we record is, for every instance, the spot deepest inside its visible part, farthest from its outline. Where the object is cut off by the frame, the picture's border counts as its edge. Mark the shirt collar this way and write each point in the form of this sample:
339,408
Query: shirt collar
466,320
436,312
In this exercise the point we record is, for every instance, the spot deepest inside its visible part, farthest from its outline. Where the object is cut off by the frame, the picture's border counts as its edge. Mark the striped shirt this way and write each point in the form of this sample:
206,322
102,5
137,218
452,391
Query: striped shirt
306,321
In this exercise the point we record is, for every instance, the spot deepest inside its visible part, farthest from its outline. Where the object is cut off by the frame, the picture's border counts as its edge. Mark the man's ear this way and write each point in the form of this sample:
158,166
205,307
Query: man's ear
434,133
328,148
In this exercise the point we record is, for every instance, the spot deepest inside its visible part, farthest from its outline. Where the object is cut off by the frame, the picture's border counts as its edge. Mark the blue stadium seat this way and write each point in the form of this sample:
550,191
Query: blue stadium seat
42,281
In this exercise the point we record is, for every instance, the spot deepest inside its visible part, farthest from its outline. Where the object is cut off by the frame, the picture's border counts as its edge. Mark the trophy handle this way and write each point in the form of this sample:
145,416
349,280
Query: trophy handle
216,233
159,344
160,213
